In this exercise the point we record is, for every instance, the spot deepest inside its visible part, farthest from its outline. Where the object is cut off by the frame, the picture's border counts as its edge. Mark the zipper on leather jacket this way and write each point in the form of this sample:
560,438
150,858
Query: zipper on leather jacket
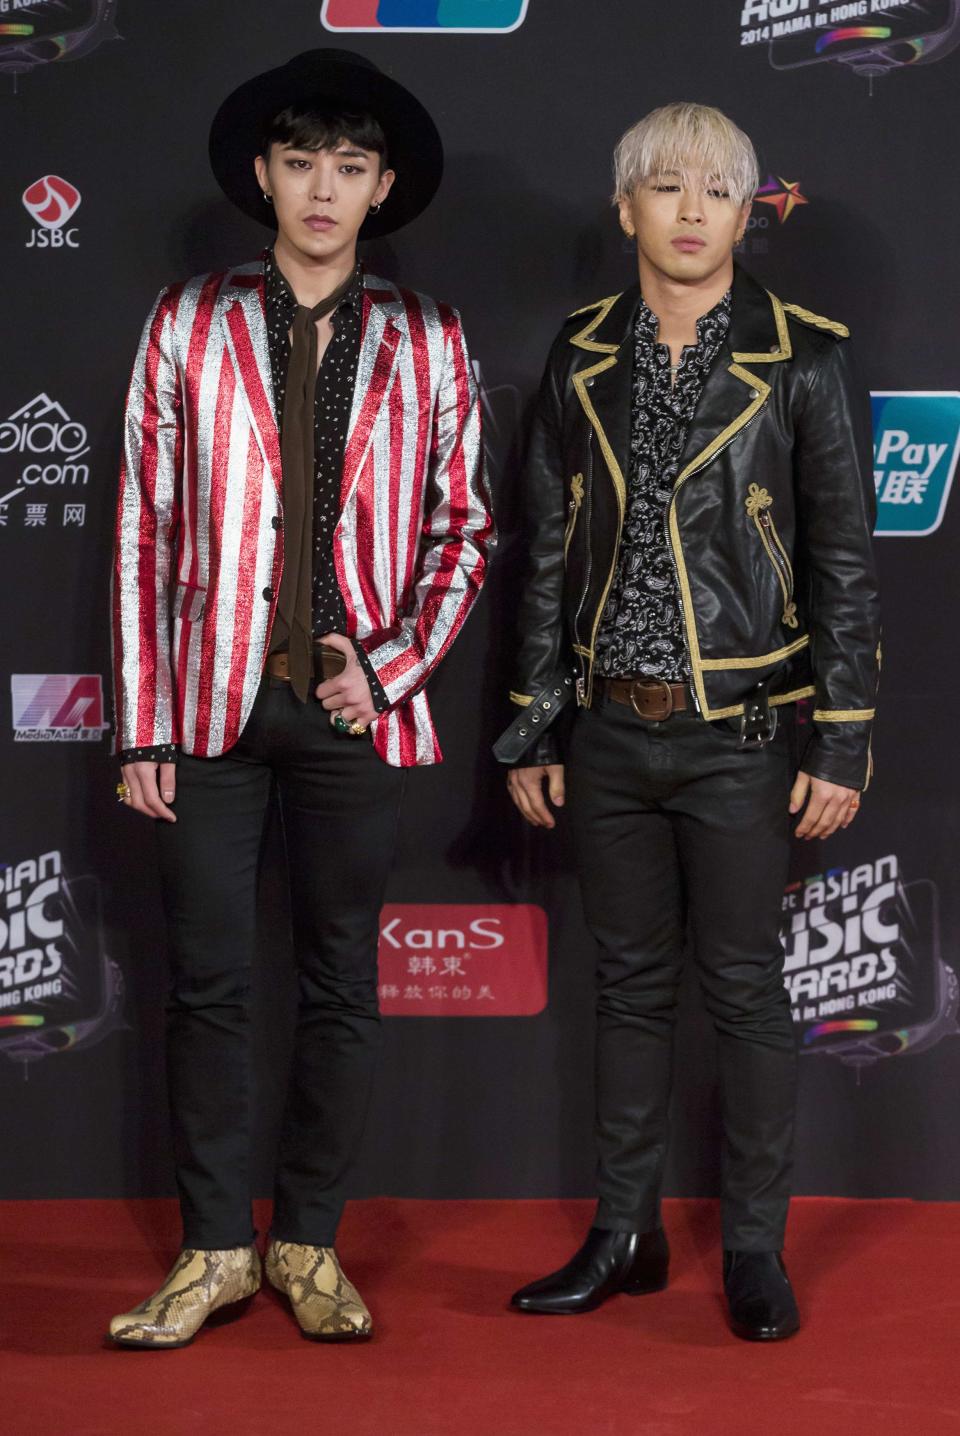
759,505
588,551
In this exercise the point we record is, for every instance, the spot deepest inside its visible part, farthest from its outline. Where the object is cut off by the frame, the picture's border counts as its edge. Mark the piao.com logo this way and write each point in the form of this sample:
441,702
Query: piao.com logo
916,443
57,707
463,960
471,16
51,203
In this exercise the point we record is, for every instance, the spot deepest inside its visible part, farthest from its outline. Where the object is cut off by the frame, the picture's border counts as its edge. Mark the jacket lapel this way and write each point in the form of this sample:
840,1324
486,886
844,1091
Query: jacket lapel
734,394
382,337
244,326
602,383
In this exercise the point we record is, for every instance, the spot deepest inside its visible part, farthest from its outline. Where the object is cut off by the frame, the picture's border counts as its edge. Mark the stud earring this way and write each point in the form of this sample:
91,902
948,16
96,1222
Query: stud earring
376,208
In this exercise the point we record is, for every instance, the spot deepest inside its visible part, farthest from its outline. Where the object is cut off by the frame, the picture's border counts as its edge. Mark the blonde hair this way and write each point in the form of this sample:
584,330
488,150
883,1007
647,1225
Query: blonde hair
689,140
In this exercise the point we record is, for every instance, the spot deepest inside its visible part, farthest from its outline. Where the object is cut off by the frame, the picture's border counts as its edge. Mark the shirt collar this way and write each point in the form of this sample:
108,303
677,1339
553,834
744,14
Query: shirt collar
648,323
279,295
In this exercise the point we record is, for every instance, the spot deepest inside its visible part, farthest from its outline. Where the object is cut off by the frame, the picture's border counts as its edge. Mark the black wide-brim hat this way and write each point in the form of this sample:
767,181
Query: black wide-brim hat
328,79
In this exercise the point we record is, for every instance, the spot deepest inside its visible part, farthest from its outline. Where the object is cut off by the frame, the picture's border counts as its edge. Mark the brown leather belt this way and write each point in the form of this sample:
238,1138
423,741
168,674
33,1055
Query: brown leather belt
650,698
327,663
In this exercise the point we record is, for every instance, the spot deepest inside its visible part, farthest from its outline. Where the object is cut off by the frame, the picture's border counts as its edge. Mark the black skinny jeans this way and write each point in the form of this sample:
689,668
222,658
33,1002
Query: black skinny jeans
673,825
339,805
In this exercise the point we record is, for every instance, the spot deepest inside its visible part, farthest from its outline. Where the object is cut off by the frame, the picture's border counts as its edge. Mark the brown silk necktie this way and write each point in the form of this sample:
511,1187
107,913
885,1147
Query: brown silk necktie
297,449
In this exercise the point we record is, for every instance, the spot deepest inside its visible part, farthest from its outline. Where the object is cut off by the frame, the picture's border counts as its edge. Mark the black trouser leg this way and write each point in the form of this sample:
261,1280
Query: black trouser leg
656,809
629,880
339,819
208,868
732,829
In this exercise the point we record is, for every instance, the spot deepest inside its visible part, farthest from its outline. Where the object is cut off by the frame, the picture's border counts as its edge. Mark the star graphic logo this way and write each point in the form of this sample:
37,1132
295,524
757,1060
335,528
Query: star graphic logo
783,194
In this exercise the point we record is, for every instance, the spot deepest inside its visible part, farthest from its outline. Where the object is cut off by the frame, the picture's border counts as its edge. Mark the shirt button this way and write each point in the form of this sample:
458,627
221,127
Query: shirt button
277,521
268,594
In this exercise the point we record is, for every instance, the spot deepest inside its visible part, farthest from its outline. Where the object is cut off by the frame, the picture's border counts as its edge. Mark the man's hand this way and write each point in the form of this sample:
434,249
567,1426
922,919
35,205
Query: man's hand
349,693
152,786
525,786
829,806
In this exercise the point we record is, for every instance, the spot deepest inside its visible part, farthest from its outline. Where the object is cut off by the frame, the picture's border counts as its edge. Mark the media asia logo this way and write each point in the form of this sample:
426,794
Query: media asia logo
916,444
46,450
863,964
463,960
57,707
869,37
445,16
34,33
51,202
58,988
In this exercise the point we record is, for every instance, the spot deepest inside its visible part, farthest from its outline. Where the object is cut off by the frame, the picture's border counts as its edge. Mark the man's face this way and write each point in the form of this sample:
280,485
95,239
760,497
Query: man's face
685,226
322,197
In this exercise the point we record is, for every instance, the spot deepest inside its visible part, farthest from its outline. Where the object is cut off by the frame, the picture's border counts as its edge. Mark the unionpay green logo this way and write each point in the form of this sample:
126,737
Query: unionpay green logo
916,442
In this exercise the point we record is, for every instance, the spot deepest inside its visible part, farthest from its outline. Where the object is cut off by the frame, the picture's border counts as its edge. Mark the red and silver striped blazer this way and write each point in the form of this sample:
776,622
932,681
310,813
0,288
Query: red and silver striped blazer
199,536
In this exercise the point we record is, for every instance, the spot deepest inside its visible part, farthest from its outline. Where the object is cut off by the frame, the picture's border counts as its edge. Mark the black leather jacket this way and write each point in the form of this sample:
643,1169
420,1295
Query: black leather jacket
769,524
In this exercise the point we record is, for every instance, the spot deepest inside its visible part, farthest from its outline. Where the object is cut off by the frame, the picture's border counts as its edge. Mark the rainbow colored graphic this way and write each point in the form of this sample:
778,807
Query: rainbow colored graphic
459,15
853,32
22,1021
16,29
829,1029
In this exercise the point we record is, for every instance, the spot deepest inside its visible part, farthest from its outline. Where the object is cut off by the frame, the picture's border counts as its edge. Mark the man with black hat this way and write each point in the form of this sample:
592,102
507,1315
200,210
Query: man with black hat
302,527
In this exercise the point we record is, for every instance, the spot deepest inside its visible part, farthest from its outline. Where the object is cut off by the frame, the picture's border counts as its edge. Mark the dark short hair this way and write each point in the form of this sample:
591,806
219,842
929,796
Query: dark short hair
324,129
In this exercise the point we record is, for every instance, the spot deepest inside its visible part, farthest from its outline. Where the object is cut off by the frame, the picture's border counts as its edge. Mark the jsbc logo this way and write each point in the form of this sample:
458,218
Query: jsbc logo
916,442
51,202
455,15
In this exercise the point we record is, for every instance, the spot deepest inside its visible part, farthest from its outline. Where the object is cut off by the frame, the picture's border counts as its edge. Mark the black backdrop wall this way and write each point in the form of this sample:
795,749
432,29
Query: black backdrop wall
486,1084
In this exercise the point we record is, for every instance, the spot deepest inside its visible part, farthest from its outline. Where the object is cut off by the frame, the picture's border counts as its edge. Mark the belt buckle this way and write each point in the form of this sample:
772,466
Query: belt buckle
665,695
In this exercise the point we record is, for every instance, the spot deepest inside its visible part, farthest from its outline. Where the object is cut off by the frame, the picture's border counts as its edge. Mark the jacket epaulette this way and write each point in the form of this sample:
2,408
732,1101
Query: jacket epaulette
817,321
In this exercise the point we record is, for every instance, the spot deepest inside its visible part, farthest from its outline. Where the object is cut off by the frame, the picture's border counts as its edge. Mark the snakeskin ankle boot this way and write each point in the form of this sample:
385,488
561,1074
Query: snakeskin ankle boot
200,1283
326,1304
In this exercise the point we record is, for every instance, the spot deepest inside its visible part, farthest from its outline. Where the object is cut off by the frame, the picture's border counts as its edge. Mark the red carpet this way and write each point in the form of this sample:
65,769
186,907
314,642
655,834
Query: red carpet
877,1281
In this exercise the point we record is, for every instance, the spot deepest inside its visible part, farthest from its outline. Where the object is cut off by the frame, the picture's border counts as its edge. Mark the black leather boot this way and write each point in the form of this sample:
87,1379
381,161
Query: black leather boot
608,1262
759,1295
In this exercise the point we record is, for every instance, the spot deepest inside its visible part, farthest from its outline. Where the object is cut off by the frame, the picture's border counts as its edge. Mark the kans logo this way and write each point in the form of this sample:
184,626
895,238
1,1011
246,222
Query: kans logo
58,988
916,443
46,447
51,201
470,16
863,965
41,32
57,707
869,37
463,960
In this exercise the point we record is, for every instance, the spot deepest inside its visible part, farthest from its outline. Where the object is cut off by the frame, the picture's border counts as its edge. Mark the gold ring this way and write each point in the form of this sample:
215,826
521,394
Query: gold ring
357,728
123,792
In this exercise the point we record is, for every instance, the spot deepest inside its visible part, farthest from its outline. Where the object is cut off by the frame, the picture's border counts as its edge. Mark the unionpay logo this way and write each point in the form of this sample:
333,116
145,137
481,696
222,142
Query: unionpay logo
459,16
916,443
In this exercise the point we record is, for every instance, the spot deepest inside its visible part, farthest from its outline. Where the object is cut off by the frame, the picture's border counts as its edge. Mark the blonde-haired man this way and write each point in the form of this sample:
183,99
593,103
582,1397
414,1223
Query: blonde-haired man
700,506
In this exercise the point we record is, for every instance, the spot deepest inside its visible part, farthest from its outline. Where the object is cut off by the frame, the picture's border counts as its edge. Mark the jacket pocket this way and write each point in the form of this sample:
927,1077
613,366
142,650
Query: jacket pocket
573,510
189,602
759,506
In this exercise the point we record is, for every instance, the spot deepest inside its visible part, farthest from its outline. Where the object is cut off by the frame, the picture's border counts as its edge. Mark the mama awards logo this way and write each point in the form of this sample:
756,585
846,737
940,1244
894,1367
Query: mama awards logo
58,988
916,444
450,16
863,964
35,33
869,37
